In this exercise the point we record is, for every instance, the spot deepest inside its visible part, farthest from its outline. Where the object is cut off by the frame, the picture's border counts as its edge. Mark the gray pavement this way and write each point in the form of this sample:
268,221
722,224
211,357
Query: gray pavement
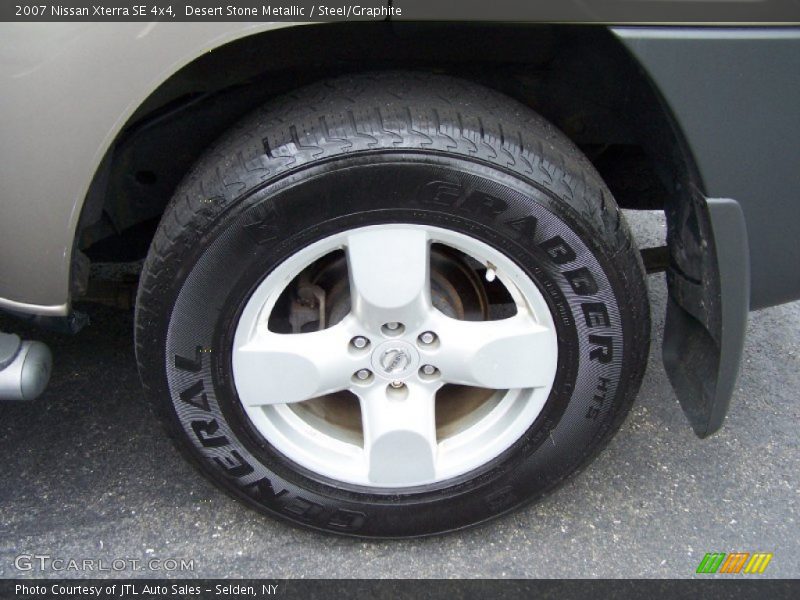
87,473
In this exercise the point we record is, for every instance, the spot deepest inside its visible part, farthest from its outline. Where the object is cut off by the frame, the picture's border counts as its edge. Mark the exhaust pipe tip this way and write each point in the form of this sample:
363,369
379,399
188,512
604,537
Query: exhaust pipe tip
37,365
27,374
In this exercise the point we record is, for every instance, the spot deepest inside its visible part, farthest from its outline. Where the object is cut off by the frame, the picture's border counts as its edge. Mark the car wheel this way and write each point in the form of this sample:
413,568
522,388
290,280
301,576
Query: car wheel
392,305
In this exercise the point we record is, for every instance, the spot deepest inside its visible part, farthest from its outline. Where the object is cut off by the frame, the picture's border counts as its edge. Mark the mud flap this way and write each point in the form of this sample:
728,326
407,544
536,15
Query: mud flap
709,290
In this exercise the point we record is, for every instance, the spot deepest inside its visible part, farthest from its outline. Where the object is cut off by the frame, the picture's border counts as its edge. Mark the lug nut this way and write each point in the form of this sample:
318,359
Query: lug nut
428,369
427,338
363,374
392,328
397,384
359,342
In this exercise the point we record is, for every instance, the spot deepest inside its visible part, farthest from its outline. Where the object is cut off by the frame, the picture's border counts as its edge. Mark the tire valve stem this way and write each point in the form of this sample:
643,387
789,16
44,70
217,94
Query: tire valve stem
491,272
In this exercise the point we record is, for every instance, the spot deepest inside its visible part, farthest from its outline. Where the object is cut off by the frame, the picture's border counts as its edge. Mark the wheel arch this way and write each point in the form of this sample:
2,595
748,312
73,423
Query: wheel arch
571,75
583,79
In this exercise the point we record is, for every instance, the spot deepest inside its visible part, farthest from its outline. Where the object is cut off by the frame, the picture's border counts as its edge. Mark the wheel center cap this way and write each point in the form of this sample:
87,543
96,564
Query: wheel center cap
394,359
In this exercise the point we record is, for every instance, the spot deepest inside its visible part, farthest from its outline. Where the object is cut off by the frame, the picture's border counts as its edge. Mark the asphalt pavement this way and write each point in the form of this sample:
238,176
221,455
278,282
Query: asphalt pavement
86,473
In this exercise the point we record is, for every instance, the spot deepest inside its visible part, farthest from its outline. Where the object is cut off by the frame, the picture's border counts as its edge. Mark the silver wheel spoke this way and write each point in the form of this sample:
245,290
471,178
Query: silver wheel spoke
399,434
511,353
389,276
277,368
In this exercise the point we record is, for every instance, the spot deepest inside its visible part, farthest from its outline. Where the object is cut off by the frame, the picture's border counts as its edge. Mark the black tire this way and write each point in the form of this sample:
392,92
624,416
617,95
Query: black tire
407,148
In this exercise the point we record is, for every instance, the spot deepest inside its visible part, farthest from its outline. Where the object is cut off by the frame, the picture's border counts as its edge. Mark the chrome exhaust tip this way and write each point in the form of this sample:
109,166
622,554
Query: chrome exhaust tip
25,368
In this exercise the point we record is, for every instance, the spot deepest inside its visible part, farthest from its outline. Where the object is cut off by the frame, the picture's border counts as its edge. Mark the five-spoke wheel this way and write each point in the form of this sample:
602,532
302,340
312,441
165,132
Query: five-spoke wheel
394,351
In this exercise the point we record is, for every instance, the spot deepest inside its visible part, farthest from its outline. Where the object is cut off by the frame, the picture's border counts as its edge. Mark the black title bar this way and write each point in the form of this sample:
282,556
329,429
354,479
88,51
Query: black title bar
355,589
778,12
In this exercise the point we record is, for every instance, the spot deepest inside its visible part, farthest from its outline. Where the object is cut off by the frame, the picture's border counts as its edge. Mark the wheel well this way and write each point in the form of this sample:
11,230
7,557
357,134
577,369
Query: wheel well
578,77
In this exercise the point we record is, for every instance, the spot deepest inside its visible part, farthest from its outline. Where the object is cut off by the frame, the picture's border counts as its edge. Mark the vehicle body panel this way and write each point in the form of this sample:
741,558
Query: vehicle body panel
67,91
735,95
